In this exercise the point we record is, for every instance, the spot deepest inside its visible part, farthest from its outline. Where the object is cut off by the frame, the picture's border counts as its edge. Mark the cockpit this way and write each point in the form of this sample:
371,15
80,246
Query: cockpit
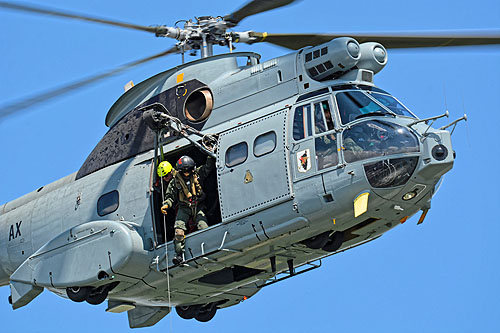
373,138
363,101
352,123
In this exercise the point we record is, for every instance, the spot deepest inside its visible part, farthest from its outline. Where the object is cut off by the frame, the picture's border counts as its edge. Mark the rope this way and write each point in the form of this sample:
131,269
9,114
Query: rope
165,233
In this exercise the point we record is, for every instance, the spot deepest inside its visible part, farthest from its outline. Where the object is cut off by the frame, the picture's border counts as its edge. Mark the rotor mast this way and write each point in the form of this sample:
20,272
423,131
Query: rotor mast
201,34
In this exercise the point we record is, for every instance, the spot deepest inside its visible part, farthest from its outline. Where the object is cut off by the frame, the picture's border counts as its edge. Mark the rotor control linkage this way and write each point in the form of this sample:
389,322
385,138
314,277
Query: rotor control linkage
157,118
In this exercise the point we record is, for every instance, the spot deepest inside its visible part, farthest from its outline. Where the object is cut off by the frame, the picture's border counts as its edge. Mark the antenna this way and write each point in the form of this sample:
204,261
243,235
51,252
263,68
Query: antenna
444,95
466,126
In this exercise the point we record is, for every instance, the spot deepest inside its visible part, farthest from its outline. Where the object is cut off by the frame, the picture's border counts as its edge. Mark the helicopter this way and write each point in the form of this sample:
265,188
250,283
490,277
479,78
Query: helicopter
308,166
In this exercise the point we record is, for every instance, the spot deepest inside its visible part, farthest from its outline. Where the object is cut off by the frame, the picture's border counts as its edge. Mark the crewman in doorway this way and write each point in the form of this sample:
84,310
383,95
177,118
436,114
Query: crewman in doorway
165,171
186,191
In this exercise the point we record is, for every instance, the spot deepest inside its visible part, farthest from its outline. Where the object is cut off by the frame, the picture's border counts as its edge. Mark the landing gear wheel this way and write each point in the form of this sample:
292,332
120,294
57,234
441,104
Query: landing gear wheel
77,294
334,242
97,297
318,241
188,311
206,313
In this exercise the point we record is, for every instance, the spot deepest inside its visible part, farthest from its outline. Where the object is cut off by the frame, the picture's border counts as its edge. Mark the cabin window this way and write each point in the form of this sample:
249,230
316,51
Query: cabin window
108,203
302,122
264,144
236,154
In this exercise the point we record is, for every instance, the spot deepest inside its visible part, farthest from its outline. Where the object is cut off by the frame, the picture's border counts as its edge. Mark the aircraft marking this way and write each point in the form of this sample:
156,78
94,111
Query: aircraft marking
303,160
13,235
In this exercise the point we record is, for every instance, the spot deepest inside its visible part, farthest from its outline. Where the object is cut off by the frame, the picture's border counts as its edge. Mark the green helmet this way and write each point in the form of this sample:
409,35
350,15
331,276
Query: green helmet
164,168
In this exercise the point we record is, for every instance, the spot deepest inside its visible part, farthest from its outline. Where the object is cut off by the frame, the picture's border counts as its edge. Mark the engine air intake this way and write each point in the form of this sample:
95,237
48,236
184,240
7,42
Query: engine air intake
329,59
198,105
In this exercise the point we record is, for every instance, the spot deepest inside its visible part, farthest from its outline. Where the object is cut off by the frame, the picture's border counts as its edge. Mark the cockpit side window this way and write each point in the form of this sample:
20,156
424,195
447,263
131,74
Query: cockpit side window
352,104
322,117
326,150
302,122
319,120
322,131
325,144
392,104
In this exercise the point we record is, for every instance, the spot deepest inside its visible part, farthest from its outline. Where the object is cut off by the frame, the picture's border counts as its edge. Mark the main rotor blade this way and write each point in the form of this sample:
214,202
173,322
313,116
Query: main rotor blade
51,12
29,102
297,41
254,7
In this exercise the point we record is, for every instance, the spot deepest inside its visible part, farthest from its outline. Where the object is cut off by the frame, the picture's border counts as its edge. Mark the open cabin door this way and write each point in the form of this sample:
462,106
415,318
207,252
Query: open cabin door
252,166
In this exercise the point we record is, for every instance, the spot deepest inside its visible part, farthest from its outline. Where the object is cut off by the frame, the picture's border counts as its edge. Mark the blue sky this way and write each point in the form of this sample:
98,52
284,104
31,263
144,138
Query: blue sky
440,276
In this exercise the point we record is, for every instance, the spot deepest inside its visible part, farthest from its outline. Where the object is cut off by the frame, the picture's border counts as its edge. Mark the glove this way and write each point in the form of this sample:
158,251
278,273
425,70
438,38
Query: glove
164,209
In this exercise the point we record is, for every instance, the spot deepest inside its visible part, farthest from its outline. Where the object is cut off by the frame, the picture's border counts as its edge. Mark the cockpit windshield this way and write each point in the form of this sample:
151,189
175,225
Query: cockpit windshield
373,138
356,104
364,102
392,104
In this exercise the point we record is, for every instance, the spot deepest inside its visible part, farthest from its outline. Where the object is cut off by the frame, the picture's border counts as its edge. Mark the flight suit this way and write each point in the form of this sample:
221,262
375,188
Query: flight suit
352,151
188,195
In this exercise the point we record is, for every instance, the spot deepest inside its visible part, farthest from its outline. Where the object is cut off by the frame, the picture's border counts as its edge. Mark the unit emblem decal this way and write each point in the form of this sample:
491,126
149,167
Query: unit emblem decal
304,160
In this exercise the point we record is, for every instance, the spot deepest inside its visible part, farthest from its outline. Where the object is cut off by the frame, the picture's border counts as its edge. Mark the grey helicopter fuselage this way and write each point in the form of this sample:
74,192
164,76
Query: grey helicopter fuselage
291,186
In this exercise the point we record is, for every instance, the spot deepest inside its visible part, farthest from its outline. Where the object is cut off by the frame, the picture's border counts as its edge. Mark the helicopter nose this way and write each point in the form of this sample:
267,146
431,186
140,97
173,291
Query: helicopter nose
436,156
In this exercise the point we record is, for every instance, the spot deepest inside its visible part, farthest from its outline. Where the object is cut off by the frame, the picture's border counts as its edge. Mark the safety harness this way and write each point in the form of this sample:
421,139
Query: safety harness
188,195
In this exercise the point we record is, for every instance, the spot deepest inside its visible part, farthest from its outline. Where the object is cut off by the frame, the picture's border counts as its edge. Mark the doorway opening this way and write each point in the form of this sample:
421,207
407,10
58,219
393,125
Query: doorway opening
164,224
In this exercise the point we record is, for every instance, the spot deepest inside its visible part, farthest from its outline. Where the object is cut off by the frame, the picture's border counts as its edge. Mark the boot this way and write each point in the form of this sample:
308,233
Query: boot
178,259
179,252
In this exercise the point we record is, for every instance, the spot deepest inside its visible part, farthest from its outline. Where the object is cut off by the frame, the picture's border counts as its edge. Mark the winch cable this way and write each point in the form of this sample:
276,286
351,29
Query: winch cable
159,145
166,249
